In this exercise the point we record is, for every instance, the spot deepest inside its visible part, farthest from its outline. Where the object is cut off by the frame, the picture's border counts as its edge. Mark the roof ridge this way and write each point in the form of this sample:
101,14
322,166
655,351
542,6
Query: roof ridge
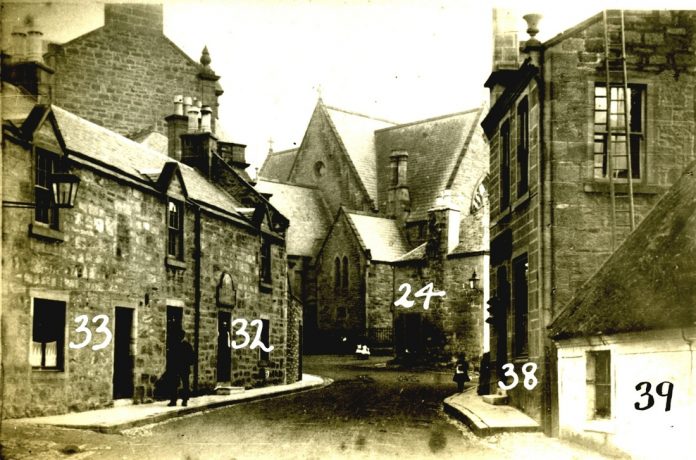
365,213
278,181
358,114
280,152
428,120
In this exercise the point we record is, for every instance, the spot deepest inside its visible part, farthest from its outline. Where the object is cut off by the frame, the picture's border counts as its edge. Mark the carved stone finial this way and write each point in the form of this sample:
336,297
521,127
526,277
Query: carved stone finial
205,57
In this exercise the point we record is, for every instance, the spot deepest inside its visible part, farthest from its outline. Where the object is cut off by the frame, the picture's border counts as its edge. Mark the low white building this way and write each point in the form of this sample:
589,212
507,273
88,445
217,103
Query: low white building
627,341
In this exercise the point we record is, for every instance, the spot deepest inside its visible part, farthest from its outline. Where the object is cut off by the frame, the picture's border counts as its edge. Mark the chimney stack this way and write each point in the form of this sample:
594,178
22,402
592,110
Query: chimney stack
26,68
398,196
505,47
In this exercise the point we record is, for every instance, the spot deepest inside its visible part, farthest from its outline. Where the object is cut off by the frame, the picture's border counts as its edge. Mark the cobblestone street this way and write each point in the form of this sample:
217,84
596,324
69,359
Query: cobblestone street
370,411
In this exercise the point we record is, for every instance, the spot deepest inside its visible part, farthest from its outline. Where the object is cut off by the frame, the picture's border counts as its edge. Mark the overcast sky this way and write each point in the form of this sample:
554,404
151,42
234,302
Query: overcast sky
403,60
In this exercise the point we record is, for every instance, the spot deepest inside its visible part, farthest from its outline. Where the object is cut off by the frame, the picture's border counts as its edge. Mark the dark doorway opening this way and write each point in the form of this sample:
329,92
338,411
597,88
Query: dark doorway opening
224,354
174,319
409,334
504,296
123,353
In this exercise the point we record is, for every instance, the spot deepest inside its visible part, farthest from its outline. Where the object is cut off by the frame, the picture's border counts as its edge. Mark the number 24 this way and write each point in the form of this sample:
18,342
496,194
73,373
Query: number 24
102,329
426,291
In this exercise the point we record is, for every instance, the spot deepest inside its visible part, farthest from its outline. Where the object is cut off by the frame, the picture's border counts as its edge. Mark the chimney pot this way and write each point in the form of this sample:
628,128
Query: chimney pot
35,45
178,105
193,114
19,44
206,115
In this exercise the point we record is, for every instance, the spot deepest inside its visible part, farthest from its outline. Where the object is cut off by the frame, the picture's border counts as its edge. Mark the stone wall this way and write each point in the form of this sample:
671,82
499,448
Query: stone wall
124,75
380,295
339,185
113,255
341,312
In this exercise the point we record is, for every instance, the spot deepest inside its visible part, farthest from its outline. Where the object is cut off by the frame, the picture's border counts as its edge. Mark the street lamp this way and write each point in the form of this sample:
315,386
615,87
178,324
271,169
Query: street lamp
473,281
64,187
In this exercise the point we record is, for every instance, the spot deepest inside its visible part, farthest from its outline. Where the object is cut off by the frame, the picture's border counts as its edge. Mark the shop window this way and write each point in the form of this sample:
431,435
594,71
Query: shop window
520,307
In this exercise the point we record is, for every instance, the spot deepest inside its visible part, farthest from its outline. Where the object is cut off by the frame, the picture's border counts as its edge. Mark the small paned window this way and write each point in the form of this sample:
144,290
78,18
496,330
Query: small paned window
505,165
265,265
610,116
522,147
599,383
48,335
175,223
46,211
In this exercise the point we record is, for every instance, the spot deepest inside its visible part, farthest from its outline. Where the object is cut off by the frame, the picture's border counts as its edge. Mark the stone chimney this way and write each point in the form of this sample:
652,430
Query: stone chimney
398,197
25,67
505,47
177,124
234,155
443,226
134,18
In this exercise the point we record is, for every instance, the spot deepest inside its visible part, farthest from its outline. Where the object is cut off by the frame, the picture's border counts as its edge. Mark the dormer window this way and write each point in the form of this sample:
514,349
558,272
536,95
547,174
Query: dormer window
175,223
46,210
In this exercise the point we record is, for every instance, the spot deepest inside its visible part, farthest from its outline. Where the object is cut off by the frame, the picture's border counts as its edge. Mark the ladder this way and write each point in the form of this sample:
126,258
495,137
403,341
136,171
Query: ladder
615,69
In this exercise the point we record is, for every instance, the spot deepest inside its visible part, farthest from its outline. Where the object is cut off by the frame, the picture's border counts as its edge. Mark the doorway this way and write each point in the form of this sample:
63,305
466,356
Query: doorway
409,334
123,356
224,354
174,319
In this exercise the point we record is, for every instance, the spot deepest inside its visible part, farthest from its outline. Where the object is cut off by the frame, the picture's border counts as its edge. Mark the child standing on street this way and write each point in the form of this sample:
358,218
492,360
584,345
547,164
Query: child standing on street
461,372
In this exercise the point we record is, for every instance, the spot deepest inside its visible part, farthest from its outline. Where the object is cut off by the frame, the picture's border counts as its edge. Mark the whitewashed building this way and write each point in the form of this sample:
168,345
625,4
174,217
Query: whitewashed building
627,341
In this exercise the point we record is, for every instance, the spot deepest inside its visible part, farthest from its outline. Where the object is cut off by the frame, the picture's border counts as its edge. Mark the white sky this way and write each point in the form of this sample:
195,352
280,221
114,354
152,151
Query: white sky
402,60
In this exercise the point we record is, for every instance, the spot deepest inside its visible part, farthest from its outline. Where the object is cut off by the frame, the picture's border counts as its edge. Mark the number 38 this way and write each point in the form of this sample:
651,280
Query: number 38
528,370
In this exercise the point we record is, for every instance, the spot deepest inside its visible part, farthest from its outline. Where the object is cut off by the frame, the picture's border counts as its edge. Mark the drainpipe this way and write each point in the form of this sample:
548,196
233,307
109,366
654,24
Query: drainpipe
197,292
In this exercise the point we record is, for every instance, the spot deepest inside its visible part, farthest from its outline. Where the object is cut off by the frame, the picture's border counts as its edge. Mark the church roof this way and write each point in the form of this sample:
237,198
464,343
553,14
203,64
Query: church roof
277,165
357,132
648,283
435,147
308,214
381,236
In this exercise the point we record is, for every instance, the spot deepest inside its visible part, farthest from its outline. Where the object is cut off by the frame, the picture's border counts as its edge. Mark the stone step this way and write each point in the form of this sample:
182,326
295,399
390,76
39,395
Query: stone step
496,400
227,390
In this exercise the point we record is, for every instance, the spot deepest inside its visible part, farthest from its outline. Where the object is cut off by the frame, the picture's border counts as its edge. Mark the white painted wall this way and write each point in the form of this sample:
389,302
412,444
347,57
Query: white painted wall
654,356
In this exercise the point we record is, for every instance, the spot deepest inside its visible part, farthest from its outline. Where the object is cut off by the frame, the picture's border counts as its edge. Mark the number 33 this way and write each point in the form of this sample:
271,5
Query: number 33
102,329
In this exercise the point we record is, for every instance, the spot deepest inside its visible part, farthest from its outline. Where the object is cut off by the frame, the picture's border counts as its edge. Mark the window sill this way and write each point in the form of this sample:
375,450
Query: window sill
622,187
521,201
265,287
173,262
39,230
600,426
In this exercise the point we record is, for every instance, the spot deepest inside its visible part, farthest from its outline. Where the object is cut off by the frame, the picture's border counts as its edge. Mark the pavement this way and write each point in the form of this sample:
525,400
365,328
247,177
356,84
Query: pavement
485,419
116,419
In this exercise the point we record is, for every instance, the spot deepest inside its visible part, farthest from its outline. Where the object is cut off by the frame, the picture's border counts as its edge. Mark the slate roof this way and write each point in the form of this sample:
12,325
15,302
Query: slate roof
417,253
308,213
357,132
277,165
381,236
435,149
650,280
120,153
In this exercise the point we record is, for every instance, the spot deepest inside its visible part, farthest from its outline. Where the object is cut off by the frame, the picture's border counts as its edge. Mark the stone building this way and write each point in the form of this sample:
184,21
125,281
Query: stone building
626,364
551,209
382,182
123,75
92,295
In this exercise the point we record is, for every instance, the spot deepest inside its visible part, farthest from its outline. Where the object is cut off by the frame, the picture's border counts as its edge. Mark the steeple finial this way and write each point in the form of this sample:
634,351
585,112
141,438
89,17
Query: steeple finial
270,145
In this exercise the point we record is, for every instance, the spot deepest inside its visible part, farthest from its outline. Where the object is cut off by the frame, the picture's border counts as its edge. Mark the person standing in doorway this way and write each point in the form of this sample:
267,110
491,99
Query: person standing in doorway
180,368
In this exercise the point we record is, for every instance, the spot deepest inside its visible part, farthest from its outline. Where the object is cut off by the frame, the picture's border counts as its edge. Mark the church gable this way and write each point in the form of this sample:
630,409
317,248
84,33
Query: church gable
321,161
